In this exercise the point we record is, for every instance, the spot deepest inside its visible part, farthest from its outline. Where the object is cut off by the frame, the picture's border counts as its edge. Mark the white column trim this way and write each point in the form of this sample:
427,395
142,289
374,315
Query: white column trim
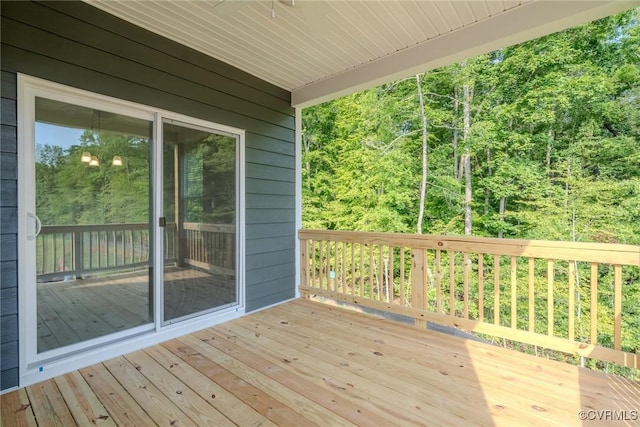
298,183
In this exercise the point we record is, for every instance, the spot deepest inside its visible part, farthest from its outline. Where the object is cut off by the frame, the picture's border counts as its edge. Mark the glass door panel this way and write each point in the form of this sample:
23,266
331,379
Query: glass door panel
93,250
199,171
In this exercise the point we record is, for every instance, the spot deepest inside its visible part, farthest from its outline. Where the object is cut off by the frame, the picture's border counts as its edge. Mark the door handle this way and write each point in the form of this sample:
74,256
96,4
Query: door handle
36,223
162,221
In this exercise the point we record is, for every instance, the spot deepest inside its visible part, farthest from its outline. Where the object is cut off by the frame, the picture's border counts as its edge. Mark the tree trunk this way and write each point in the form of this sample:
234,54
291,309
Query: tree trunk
503,206
456,134
307,147
566,189
467,99
425,170
548,154
487,192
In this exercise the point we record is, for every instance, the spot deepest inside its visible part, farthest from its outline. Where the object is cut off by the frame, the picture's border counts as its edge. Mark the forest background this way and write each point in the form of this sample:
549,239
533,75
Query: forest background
537,141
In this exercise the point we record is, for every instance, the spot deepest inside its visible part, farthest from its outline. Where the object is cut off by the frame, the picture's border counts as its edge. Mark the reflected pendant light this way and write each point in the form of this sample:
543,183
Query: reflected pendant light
86,157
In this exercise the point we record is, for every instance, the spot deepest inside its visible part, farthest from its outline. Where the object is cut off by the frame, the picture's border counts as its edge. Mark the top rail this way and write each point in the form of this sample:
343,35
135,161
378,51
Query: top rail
548,249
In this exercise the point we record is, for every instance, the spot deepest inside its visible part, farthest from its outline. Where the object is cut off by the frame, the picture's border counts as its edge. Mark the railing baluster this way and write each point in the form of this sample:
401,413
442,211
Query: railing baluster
195,237
361,269
550,278
425,278
336,264
371,275
53,249
107,252
123,251
64,251
304,260
91,249
78,251
480,286
380,281
532,300
390,275
329,267
333,263
572,300
213,248
314,270
197,245
403,299
496,289
353,269
131,246
326,266
417,283
54,245
136,247
321,273
617,307
452,283
438,281
100,242
40,258
344,268
514,297
330,281
594,303
307,262
465,285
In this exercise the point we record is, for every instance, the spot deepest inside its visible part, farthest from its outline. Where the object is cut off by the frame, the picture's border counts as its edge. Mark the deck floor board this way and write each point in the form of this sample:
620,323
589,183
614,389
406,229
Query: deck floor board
305,363
73,311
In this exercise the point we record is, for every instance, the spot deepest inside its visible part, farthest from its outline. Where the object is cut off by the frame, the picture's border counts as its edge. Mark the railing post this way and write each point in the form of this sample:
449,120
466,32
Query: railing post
304,263
418,284
78,254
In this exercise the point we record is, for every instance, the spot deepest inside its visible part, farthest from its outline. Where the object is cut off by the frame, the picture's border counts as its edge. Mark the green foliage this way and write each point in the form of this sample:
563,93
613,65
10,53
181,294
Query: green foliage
72,192
554,140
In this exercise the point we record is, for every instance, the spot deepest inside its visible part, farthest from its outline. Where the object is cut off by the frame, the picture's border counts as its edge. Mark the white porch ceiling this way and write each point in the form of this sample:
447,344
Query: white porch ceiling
322,49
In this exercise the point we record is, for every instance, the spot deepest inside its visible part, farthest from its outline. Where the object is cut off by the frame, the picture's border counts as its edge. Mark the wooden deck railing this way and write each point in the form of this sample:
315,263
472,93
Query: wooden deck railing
76,250
210,247
577,298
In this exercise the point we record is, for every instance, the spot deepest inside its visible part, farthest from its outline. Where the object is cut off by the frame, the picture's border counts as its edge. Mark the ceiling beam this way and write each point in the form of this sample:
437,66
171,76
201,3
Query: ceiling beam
525,22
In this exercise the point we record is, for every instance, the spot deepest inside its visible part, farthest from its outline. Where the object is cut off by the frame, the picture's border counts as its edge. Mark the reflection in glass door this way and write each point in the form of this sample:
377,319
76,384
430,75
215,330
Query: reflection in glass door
92,172
199,171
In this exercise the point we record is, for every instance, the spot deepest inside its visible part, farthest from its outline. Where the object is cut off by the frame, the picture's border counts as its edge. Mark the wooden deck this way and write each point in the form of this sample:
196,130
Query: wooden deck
304,363
78,310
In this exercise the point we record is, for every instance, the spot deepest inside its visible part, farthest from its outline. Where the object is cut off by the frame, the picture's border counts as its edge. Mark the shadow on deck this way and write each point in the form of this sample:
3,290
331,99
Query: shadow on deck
306,363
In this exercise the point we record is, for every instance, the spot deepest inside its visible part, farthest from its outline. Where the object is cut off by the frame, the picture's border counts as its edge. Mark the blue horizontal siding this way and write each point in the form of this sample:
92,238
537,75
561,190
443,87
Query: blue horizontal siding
74,43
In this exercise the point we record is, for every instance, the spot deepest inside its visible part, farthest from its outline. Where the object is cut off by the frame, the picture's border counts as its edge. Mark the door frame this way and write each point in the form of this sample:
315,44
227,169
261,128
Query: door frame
34,367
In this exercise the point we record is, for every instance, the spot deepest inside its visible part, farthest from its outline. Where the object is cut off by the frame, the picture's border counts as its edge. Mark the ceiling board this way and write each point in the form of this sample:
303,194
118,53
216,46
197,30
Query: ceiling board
319,49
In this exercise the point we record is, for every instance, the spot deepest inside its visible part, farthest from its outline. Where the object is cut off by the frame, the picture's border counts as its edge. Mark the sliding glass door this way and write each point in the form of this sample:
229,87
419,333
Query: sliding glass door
93,215
199,171
128,224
